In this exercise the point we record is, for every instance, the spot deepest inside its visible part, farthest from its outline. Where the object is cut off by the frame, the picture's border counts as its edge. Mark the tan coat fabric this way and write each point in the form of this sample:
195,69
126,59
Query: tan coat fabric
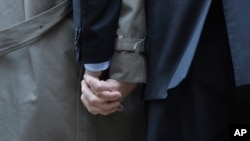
128,62
38,83
39,98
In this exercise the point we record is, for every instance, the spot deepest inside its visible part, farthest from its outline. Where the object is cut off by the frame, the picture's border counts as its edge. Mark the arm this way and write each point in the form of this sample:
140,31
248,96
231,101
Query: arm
96,22
125,60
129,46
128,61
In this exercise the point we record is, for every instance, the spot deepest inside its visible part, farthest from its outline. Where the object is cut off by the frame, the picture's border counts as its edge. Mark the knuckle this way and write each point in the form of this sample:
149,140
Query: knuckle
110,107
90,110
98,87
82,89
108,112
105,108
93,101
82,97
82,82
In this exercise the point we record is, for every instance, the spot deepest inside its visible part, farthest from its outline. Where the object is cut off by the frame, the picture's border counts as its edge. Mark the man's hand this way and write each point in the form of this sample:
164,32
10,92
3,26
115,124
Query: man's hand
125,88
100,87
107,104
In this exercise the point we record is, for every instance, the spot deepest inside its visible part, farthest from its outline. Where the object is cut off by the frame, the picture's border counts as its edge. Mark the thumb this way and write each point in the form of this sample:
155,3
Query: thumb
93,74
97,85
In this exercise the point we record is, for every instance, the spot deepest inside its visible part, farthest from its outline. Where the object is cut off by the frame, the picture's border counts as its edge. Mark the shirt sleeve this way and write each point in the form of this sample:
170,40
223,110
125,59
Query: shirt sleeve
97,66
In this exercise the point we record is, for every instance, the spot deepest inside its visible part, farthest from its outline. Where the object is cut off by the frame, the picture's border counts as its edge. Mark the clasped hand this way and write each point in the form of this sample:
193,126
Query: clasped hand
103,97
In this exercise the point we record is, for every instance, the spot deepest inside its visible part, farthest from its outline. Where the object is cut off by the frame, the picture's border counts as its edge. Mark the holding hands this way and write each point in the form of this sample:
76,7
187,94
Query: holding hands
103,97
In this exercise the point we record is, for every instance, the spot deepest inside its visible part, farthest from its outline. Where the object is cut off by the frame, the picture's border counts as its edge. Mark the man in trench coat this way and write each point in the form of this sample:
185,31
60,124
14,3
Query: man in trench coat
39,96
198,73
38,77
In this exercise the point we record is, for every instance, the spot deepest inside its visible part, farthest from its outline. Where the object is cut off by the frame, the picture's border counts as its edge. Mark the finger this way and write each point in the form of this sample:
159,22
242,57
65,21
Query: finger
105,113
109,95
93,110
99,97
93,74
102,88
101,104
91,98
106,110
96,84
108,106
96,104
120,108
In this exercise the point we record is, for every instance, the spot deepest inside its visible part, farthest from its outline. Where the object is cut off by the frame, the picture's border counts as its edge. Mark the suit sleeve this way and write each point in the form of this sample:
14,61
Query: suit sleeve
128,61
99,21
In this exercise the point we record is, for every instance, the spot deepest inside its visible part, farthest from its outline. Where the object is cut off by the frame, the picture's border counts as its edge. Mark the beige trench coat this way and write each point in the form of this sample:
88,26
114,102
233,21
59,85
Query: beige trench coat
39,97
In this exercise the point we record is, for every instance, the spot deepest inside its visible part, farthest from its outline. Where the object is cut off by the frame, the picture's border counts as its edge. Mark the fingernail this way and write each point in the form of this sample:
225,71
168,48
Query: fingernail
120,108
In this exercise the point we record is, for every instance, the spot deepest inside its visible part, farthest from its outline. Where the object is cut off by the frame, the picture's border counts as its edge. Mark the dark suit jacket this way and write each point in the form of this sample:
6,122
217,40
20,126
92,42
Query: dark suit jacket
95,29
173,40
174,32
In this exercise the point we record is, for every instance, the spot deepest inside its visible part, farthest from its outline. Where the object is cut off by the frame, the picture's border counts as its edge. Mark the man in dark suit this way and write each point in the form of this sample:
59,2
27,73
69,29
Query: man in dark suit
197,69
96,27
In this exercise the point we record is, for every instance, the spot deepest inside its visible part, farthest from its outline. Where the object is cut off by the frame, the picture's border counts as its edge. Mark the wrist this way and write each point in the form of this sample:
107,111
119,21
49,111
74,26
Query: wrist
96,74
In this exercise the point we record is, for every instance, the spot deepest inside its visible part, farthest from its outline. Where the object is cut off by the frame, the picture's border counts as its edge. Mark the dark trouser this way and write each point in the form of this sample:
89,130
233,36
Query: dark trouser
201,107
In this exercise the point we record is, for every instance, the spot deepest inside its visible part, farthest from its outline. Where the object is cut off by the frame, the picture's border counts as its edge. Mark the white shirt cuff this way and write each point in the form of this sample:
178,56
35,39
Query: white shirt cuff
98,66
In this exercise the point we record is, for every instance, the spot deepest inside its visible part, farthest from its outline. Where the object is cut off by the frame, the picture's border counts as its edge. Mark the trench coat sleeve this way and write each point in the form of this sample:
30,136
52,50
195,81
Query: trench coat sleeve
128,61
99,21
